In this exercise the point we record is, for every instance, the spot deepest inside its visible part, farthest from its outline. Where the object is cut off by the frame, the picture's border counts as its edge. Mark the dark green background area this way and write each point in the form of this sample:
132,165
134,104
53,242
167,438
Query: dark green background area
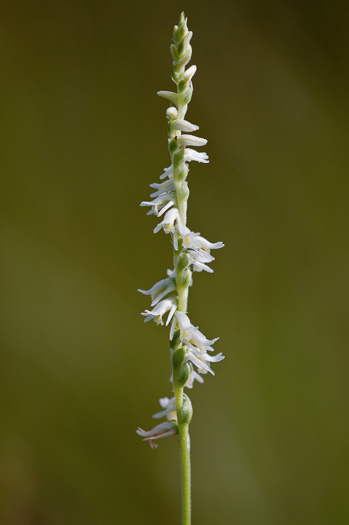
83,134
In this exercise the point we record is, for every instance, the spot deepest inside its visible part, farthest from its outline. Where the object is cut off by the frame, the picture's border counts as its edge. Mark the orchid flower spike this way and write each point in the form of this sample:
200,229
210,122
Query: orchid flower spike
190,350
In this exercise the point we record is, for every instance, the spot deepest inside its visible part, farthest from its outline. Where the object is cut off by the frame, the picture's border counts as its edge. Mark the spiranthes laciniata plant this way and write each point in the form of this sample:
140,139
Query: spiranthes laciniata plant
191,351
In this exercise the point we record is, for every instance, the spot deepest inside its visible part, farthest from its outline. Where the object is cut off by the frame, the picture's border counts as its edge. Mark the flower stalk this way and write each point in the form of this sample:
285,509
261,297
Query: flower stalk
190,349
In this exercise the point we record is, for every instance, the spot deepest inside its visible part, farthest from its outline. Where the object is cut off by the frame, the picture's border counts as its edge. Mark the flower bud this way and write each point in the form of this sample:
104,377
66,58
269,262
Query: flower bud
180,31
171,113
183,61
174,52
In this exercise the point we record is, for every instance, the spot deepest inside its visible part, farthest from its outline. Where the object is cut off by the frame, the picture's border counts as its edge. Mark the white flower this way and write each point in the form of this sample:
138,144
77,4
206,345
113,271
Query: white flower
196,242
191,140
168,222
167,305
161,203
197,344
199,261
198,249
184,125
198,156
160,290
169,428
190,335
169,406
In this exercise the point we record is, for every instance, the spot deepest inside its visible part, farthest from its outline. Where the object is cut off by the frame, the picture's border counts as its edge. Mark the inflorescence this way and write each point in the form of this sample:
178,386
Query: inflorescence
191,351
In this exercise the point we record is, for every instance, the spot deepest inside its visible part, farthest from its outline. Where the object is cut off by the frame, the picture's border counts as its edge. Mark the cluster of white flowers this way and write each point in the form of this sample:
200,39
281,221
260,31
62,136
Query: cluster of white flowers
192,252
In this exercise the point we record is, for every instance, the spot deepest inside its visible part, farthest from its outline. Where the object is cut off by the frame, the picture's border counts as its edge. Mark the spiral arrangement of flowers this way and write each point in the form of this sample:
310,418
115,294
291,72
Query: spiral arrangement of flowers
191,351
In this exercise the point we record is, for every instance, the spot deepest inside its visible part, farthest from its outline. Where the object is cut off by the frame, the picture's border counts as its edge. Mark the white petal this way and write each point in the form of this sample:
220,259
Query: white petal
170,315
173,327
160,285
183,321
200,364
166,207
170,288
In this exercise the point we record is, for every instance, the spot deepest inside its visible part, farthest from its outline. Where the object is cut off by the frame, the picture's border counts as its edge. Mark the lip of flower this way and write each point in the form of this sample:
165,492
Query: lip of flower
164,306
168,428
207,245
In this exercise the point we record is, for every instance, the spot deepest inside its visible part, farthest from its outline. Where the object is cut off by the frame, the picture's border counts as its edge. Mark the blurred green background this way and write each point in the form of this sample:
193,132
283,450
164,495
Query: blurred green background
83,135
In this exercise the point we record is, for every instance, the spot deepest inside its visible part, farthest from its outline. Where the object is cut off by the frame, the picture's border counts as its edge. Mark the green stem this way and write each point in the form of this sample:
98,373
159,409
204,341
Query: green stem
181,188
184,445
183,426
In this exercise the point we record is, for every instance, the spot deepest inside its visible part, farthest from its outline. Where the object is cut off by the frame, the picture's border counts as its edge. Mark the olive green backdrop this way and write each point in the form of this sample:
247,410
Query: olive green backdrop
83,135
